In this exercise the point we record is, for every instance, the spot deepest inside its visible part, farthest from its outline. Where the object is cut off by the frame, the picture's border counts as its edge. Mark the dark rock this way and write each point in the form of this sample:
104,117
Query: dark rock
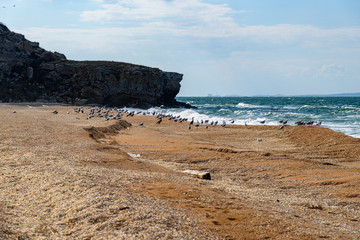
30,73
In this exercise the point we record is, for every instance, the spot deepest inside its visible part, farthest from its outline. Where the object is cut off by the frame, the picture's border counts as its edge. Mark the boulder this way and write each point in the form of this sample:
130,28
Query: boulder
198,174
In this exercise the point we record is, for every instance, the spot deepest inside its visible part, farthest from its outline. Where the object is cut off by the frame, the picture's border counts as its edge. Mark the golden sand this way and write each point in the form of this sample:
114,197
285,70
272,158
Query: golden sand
65,177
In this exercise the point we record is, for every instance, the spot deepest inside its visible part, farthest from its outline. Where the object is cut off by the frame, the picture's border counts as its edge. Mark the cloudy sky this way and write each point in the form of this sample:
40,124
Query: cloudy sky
233,47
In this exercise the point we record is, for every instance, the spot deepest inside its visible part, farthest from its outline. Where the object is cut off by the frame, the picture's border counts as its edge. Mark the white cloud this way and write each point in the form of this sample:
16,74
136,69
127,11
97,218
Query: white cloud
194,18
180,17
331,70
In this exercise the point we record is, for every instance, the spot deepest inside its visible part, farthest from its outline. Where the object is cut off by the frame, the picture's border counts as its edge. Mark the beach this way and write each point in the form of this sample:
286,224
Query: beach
64,176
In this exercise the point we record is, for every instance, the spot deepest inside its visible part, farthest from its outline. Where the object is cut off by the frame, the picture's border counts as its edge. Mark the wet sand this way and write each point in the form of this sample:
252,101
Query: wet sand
63,176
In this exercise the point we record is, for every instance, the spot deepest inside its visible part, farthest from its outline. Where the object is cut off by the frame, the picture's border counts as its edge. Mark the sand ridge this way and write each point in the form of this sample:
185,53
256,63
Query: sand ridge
58,182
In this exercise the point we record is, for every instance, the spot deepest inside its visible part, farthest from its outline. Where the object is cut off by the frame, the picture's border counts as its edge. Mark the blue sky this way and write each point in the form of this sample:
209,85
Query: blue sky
253,47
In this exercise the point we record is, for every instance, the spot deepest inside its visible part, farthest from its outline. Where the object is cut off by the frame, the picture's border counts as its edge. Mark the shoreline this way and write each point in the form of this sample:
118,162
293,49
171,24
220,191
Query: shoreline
237,122
58,182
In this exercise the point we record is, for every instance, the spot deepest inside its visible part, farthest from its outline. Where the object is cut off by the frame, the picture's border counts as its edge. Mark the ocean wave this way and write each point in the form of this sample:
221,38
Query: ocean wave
339,116
306,106
225,110
245,105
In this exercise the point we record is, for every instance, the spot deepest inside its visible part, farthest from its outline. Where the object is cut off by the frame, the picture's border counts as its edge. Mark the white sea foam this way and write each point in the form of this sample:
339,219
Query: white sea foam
290,107
342,118
305,106
245,105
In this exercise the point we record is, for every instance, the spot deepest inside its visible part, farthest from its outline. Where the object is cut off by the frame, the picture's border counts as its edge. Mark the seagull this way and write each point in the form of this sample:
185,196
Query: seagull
262,122
55,112
245,124
259,139
158,122
319,123
141,124
282,127
14,111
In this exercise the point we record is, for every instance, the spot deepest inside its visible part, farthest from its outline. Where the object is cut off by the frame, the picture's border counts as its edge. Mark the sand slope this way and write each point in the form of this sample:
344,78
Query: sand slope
60,178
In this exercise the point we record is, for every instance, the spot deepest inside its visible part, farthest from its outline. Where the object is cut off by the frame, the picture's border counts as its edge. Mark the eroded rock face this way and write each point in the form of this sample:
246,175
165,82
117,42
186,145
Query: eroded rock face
30,73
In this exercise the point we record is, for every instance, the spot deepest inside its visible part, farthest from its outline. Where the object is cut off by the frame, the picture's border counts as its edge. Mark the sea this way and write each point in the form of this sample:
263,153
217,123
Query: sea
341,114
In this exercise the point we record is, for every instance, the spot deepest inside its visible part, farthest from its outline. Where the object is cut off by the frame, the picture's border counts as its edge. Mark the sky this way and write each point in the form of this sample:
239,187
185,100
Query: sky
235,47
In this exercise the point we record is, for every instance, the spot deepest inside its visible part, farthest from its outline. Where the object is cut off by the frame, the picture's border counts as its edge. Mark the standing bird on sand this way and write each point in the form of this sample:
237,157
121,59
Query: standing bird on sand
158,122
282,127
141,124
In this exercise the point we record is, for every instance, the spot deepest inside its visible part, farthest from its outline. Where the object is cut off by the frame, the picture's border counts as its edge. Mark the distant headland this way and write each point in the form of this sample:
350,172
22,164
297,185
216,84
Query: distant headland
29,73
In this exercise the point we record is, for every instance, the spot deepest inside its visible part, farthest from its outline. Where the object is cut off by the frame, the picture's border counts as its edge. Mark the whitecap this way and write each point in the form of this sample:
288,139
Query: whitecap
245,105
305,106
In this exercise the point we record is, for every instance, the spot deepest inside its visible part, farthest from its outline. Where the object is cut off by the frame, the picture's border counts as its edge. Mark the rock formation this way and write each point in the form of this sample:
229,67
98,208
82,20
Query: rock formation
29,73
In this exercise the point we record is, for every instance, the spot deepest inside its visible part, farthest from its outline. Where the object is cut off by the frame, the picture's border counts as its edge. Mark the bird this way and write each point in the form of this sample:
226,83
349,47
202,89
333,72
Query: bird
282,127
300,122
310,123
262,122
14,111
245,124
318,123
259,139
158,122
55,112
189,126
141,124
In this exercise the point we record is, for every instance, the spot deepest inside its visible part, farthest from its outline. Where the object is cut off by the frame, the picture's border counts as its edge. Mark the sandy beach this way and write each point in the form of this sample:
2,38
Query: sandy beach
63,176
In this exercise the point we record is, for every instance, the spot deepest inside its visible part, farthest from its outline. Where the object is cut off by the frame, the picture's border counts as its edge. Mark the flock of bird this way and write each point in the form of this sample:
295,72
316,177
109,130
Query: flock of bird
119,113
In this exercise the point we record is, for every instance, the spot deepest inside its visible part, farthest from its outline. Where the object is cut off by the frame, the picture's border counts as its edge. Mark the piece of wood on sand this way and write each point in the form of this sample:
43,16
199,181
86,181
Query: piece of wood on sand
198,174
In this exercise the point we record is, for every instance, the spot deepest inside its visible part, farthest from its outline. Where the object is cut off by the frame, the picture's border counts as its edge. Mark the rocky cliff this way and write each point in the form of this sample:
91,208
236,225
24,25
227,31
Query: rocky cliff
30,73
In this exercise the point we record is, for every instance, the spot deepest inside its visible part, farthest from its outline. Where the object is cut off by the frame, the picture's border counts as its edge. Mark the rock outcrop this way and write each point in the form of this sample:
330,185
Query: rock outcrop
30,73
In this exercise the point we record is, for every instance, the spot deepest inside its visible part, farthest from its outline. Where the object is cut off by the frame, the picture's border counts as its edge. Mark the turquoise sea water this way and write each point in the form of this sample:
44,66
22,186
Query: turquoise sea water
341,114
